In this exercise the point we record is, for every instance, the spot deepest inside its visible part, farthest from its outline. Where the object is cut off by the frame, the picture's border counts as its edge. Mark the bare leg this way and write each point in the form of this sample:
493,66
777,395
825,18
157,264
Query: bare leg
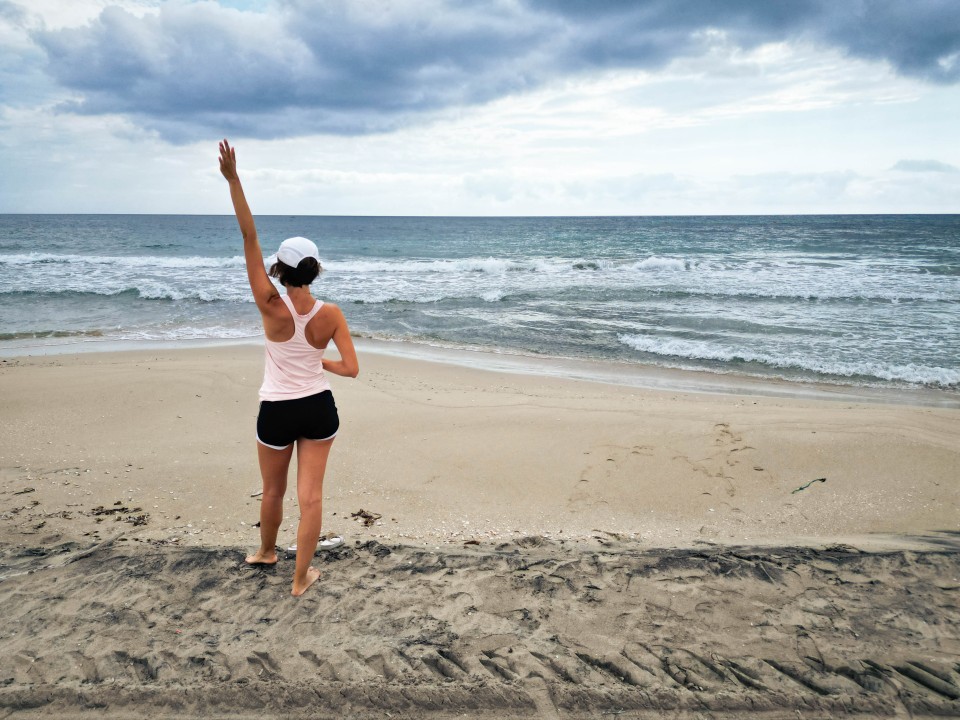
311,465
273,468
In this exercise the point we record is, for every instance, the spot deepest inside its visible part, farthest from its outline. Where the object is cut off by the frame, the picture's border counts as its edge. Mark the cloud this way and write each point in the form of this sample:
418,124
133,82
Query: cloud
924,166
920,37
12,13
338,67
190,70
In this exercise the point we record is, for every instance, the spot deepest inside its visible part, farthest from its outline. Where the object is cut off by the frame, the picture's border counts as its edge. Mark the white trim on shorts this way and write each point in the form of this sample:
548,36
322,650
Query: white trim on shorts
272,447
284,447
331,437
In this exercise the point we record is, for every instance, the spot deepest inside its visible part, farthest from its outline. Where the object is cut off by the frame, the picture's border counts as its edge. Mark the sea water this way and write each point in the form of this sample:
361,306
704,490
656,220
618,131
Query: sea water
862,300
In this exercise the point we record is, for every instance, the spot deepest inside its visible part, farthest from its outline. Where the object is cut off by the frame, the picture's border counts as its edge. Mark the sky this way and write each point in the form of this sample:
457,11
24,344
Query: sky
481,107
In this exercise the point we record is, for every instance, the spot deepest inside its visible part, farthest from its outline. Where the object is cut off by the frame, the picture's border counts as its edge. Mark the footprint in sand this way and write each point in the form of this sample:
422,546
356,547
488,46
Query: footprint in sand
728,454
612,461
607,462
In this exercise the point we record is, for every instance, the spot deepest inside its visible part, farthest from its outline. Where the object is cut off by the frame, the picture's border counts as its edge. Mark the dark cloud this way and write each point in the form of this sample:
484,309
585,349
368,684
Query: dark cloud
348,67
919,38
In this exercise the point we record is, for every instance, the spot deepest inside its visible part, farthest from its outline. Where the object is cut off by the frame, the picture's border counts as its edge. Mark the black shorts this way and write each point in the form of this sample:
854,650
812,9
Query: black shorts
280,422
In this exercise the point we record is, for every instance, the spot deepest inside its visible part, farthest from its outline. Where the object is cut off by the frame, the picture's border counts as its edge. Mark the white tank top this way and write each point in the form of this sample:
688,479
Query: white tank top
293,369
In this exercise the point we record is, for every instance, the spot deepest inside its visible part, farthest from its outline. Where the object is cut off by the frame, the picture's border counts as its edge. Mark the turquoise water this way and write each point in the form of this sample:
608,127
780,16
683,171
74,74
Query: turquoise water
872,300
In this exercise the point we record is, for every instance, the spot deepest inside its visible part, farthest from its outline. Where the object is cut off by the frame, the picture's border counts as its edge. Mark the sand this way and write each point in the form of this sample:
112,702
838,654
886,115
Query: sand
546,547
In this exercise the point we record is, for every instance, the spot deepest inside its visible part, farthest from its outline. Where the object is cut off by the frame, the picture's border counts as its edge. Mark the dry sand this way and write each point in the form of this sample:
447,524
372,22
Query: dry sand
547,548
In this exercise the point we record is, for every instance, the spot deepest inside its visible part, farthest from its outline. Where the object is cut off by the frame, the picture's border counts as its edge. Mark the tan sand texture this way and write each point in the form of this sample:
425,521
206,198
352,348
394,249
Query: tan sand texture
546,548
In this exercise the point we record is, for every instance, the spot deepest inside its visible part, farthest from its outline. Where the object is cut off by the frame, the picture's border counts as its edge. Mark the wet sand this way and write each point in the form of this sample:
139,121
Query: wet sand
545,548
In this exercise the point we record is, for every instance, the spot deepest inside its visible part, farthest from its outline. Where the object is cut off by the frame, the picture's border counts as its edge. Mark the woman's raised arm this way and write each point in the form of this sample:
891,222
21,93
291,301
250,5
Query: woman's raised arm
263,290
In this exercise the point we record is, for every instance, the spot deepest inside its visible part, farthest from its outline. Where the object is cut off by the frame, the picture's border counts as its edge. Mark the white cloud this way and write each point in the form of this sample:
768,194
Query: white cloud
60,14
925,166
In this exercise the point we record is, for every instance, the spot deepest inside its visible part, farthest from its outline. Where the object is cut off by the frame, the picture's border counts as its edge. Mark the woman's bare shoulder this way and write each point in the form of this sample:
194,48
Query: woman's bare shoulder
330,310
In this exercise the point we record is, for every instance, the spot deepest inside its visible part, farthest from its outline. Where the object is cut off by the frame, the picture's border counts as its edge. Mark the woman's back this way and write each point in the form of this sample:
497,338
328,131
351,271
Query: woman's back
293,367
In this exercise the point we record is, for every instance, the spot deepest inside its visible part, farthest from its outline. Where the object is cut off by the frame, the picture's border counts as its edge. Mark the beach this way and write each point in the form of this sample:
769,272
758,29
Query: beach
530,545
657,313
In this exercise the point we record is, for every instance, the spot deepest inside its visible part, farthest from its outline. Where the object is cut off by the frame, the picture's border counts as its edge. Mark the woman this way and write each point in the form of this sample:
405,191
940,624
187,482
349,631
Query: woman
296,407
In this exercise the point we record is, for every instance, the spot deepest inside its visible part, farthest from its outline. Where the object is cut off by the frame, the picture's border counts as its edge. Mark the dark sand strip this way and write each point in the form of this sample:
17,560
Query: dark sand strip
532,628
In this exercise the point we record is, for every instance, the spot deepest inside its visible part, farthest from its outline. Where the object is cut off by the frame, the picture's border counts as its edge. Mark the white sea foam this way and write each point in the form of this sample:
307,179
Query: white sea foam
500,266
489,279
659,263
686,349
492,266
190,332
124,261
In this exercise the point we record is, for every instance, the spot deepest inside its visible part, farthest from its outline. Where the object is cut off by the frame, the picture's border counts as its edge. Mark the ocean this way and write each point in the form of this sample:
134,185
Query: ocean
868,300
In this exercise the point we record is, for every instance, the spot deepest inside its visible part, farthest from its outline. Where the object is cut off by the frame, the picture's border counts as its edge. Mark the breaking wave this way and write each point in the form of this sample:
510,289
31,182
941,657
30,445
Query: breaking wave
684,349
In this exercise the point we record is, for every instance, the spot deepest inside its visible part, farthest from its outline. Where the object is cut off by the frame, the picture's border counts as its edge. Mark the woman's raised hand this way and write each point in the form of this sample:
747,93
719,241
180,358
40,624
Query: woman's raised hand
228,161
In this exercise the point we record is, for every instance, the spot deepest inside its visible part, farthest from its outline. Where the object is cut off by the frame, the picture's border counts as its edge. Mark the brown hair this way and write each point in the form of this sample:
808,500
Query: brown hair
303,274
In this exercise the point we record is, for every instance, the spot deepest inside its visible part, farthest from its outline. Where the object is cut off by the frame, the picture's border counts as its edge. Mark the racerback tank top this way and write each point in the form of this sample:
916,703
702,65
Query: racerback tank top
294,368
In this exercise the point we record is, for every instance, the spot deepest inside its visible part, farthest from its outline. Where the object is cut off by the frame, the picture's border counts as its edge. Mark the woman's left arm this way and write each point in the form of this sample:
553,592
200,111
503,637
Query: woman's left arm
263,290
347,365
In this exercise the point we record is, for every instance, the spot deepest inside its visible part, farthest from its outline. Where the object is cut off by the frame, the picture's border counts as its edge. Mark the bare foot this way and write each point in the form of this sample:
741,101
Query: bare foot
312,576
262,558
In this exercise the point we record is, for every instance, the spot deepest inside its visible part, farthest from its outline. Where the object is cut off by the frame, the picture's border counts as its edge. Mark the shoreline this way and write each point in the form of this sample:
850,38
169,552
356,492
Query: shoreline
635,375
657,377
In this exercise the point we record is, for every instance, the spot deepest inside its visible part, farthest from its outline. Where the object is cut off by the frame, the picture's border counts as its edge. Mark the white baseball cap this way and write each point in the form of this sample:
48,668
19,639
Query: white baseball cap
293,250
